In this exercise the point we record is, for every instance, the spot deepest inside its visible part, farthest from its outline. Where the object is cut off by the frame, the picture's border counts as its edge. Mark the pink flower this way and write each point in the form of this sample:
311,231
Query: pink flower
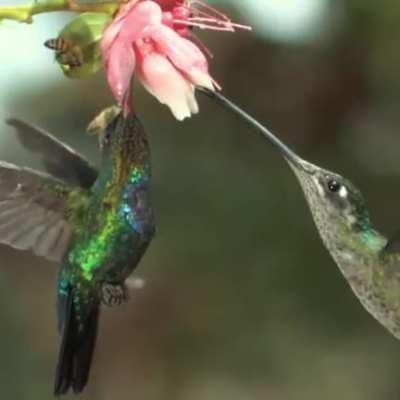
151,38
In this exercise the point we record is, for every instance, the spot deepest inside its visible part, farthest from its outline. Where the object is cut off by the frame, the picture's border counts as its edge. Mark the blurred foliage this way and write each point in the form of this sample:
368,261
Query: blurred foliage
242,301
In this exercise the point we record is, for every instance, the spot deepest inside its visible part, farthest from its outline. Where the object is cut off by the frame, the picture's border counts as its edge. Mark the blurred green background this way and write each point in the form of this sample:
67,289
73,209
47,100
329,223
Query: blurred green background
241,300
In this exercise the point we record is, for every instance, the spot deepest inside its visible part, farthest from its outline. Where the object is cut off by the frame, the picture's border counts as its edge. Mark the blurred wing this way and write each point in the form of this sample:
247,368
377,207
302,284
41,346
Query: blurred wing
59,159
33,212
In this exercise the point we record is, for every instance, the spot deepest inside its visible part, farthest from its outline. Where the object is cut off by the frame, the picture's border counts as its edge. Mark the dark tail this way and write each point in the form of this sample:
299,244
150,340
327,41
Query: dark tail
77,346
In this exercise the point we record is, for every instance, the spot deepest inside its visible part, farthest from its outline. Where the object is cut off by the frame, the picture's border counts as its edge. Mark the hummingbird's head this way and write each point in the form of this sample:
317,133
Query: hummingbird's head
334,201
337,206
104,126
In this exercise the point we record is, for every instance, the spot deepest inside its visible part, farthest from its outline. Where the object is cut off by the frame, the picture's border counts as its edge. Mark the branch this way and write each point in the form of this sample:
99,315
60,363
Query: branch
25,12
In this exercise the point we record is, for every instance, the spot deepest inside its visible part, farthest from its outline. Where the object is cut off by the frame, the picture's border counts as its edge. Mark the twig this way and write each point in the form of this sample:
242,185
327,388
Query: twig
25,12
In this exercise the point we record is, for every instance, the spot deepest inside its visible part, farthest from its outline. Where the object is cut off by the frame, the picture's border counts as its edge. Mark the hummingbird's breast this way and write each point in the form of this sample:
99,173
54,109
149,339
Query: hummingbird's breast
118,228
376,284
357,254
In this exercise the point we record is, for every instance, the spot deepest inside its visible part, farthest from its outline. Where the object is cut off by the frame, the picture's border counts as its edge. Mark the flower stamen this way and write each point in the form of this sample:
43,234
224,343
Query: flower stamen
222,23
208,9
196,13
218,17
199,25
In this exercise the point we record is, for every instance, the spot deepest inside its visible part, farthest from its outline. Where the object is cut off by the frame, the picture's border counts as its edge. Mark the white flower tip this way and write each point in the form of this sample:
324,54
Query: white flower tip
180,113
191,100
184,105
202,79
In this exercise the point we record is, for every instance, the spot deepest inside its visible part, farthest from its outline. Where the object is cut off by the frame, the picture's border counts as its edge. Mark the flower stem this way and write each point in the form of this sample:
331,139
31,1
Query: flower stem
25,12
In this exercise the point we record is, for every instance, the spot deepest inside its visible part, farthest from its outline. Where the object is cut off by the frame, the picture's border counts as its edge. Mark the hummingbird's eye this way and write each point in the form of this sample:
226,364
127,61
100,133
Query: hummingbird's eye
334,185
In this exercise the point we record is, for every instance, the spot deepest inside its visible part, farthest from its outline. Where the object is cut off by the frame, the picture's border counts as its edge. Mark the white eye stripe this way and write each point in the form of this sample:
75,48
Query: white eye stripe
343,192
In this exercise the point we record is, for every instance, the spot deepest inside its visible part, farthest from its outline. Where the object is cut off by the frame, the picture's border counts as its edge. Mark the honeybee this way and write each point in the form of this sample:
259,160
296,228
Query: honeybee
66,52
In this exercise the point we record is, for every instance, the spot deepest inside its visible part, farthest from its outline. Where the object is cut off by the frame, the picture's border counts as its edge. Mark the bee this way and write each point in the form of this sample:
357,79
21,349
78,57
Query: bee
66,52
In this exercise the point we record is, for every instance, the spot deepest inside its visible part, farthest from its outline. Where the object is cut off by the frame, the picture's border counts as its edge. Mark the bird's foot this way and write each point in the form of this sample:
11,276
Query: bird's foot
113,294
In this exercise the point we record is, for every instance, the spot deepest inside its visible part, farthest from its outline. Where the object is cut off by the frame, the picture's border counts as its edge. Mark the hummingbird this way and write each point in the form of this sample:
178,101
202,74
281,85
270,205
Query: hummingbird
368,260
96,223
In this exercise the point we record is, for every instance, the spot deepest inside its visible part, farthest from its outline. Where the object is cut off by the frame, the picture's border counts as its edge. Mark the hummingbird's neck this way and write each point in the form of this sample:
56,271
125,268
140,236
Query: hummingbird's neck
372,240
355,251
362,244
359,235
129,152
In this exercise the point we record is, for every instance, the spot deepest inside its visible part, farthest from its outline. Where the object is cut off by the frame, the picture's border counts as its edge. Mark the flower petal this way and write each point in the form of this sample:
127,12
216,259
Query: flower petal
167,5
112,31
120,68
130,23
183,53
164,82
144,15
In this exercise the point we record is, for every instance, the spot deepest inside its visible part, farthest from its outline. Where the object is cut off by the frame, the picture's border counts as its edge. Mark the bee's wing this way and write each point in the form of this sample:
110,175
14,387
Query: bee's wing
59,159
34,212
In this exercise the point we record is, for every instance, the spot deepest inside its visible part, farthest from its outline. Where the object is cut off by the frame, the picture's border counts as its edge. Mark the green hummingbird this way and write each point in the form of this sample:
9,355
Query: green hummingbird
97,224
369,262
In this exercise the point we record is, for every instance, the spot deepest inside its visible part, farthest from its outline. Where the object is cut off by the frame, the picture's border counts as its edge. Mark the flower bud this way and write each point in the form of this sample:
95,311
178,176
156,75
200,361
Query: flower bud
78,52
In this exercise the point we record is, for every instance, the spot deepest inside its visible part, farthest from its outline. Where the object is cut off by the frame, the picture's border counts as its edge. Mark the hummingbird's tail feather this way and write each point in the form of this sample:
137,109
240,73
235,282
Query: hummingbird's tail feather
77,346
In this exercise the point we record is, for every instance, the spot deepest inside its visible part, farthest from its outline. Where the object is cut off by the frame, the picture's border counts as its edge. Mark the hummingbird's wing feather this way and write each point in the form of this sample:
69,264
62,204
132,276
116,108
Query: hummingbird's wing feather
59,159
34,211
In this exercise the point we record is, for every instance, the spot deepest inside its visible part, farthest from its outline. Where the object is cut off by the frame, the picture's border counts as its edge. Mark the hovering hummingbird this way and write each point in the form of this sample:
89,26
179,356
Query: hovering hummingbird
97,224
369,262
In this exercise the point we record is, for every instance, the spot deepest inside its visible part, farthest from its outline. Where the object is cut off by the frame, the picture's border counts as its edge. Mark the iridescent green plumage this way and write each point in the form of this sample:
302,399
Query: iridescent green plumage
107,244
98,224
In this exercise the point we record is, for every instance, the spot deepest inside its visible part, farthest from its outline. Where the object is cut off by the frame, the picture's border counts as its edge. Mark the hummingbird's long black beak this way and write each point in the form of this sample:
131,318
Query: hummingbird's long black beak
289,155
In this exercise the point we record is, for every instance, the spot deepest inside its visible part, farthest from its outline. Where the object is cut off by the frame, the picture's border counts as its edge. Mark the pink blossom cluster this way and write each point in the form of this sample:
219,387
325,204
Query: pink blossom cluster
153,40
